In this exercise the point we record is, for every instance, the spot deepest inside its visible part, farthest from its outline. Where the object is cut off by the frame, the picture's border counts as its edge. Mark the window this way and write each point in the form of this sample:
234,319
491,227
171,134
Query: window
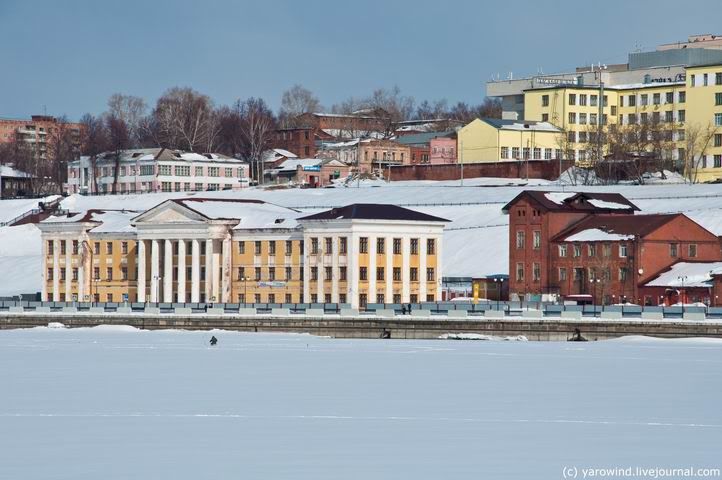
572,99
593,119
289,248
631,119
342,245
109,248
632,100
381,245
562,250
582,118
526,151
669,116
520,237
289,298
397,246
272,248
414,274
96,248
545,100
414,246
228,172
623,251
182,170
537,153
718,139
623,273
705,79
547,154
289,273
241,247
363,273
214,171
592,250
430,246
692,250
380,298
124,273
328,245
257,273
536,272
314,274
578,273
656,99
242,273
577,250
328,273
536,239
380,274
562,273
520,272
682,97
673,247
198,171
515,153
109,273
396,274
364,245
163,169
257,247
314,246
124,248
681,116
62,274
644,99
342,274
430,277
717,161
257,298
75,247
669,97
505,153
572,117
583,99
718,119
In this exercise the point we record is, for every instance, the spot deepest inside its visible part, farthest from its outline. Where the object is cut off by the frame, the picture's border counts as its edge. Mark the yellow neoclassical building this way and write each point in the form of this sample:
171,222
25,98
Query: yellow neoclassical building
485,140
243,251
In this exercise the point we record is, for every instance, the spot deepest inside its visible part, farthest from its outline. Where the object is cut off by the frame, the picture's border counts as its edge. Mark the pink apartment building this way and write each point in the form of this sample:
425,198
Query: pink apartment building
156,170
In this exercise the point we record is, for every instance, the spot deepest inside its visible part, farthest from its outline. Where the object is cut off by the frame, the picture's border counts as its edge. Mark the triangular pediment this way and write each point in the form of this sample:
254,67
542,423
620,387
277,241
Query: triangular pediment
169,212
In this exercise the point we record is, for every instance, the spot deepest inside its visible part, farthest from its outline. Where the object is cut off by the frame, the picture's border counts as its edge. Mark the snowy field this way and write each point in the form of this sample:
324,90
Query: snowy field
115,403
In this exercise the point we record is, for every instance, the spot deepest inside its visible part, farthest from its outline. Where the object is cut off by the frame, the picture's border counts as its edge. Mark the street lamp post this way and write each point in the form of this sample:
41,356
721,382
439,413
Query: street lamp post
157,279
244,279
682,279
499,285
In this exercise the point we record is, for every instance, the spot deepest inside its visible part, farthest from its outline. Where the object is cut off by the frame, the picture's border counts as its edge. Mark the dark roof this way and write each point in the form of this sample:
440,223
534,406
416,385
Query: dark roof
637,225
421,138
498,122
373,211
575,202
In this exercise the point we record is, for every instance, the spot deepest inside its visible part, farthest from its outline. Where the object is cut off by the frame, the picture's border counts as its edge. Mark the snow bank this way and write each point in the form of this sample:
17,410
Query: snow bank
479,336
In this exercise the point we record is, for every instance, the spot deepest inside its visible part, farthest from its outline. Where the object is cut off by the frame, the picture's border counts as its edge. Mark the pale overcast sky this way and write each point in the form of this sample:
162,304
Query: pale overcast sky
69,56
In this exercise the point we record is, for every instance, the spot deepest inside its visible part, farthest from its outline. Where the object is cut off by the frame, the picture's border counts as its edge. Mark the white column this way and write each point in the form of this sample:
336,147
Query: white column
226,270
321,264
352,271
334,269
405,268
56,270
181,288
216,271
154,270
372,270
195,271
81,270
390,269
68,270
209,270
422,269
168,272
306,271
141,281
43,273
439,270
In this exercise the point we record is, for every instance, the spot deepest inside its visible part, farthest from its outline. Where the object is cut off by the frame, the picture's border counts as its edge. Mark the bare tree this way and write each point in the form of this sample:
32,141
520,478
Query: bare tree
130,110
257,125
61,148
94,142
118,140
296,101
183,119
696,141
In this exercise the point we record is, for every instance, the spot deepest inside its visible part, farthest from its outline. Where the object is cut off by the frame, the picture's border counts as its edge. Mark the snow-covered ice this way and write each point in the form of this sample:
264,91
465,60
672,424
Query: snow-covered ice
117,403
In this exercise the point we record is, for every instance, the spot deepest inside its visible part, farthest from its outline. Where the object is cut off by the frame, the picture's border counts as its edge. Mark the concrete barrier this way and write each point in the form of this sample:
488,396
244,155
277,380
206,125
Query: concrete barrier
70,309
16,309
457,314
349,312
385,312
42,309
215,311
652,315
611,315
280,311
152,310
576,315
695,316
532,314
494,313
246,311
124,310
318,312
183,311
421,313
96,310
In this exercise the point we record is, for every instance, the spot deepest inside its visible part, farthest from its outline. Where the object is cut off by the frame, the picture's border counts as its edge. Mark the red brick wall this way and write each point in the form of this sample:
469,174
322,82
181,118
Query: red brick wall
301,141
546,169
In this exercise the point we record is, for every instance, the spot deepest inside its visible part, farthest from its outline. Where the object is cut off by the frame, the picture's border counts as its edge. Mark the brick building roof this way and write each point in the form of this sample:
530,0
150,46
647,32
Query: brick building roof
373,211
622,225
590,202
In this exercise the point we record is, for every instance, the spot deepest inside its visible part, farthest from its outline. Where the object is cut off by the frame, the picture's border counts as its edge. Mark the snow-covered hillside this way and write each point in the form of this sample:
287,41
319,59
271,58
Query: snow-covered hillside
114,403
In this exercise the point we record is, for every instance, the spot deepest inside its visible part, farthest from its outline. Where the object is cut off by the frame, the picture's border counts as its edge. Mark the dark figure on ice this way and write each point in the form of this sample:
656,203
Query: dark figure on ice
403,309
409,309
385,333
577,337
214,340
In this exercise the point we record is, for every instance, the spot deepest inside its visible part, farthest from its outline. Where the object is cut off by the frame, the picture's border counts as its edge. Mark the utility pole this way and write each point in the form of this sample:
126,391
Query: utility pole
461,160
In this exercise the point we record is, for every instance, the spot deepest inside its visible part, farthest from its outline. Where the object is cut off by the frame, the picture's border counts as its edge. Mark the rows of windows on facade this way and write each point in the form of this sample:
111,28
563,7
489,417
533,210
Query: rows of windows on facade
576,250
247,273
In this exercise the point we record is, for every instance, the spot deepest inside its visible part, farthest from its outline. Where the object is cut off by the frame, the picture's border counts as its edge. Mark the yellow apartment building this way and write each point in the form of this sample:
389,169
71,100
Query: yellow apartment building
241,251
704,117
493,140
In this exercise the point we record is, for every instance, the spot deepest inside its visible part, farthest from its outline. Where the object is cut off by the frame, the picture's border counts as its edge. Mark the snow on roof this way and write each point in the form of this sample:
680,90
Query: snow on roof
559,197
292,164
8,171
611,205
688,274
597,235
340,133
253,214
115,221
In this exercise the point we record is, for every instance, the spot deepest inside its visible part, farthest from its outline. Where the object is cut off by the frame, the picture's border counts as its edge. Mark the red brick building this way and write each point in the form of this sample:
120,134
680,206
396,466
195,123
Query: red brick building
593,245
300,141
40,131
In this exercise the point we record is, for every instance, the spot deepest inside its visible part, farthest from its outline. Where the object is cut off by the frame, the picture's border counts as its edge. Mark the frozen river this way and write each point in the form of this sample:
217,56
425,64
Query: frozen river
118,404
